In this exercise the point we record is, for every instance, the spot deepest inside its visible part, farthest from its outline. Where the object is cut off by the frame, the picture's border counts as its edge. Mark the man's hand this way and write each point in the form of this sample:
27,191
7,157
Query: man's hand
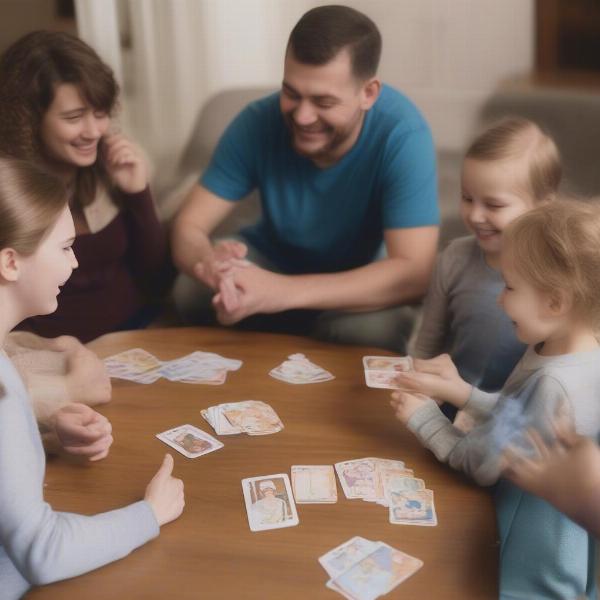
437,378
81,431
258,291
406,404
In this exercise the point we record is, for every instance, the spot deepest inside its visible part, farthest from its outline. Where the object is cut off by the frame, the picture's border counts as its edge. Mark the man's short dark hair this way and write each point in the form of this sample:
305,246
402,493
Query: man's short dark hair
326,30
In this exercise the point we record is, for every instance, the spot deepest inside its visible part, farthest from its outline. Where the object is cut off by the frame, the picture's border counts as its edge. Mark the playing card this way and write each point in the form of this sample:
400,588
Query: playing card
252,416
357,477
381,371
377,574
135,365
269,502
412,508
190,441
314,484
344,556
298,370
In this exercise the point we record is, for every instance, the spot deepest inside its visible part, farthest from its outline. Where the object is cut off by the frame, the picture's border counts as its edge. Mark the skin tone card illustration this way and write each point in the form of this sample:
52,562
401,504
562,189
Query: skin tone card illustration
381,371
269,502
190,441
135,365
248,416
314,484
298,370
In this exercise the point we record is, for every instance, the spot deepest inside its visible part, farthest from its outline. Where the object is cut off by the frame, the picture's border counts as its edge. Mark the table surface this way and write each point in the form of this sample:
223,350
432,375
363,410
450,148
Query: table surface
210,552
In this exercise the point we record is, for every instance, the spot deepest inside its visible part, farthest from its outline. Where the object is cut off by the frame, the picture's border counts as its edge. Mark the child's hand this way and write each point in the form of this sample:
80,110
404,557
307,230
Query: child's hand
165,493
82,431
437,378
561,473
405,405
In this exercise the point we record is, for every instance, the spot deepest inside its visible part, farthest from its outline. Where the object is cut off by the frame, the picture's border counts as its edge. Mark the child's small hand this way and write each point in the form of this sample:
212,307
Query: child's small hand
406,404
560,472
82,431
437,378
165,493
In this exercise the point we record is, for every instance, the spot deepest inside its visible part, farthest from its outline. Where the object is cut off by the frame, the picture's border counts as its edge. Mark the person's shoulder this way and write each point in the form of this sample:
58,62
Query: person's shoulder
397,111
264,107
460,251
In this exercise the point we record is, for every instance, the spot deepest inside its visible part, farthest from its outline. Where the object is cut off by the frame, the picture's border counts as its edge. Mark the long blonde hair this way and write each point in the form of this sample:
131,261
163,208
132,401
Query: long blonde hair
556,247
515,137
31,201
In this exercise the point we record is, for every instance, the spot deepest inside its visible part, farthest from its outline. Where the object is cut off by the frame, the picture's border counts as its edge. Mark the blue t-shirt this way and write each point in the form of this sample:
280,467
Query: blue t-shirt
326,220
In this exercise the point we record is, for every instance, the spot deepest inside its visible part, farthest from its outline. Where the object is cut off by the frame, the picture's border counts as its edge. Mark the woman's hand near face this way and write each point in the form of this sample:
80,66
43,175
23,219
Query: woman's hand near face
125,163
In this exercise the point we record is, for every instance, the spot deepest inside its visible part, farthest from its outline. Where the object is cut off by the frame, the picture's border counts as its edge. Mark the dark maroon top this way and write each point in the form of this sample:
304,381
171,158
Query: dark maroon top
103,293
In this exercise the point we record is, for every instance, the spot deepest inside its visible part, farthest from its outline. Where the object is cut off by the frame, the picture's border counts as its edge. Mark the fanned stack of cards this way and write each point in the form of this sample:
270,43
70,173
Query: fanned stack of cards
189,440
269,502
381,371
248,416
364,570
198,367
391,484
298,369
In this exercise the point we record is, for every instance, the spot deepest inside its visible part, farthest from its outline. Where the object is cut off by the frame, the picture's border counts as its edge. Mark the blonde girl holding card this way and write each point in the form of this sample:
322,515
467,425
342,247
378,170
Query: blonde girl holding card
550,263
510,168
37,544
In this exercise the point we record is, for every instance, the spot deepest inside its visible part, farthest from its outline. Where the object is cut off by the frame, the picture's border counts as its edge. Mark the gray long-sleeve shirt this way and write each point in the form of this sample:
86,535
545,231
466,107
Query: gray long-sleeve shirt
538,389
461,316
37,544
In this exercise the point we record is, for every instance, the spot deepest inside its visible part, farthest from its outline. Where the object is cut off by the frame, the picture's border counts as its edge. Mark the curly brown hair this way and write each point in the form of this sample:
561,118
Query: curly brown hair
30,70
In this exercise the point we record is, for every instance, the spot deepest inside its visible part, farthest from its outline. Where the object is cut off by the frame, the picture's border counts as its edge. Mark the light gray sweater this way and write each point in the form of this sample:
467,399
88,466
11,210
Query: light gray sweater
538,389
37,544
461,316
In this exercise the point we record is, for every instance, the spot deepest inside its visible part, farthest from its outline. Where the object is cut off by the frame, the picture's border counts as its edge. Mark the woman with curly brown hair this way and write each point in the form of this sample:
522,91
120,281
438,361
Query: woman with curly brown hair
57,98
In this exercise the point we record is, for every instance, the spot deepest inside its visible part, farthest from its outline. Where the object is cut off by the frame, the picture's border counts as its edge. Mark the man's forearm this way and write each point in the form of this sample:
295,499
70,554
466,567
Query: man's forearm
381,284
190,245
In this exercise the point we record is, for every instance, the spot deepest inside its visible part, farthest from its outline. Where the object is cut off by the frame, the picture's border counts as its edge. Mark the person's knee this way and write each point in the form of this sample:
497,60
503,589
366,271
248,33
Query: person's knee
192,300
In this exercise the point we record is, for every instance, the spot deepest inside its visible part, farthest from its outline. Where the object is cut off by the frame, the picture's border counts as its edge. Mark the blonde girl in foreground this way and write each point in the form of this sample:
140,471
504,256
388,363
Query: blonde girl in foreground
37,544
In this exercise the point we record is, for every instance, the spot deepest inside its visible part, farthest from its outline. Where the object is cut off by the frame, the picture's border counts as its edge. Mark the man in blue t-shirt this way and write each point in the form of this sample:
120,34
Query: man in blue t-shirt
342,163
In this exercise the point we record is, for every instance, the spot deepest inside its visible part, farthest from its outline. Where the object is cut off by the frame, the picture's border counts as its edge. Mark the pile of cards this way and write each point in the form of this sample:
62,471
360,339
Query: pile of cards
269,502
189,440
248,416
198,367
364,570
381,371
298,369
314,484
391,484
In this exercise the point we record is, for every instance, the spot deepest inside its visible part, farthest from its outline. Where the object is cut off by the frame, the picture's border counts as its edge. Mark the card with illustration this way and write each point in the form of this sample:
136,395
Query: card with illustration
377,574
412,508
314,484
189,440
134,365
344,556
381,371
357,477
252,416
269,502
297,369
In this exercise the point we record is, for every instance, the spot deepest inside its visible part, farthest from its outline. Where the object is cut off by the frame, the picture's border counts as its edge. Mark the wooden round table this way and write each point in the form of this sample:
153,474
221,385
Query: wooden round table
210,552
